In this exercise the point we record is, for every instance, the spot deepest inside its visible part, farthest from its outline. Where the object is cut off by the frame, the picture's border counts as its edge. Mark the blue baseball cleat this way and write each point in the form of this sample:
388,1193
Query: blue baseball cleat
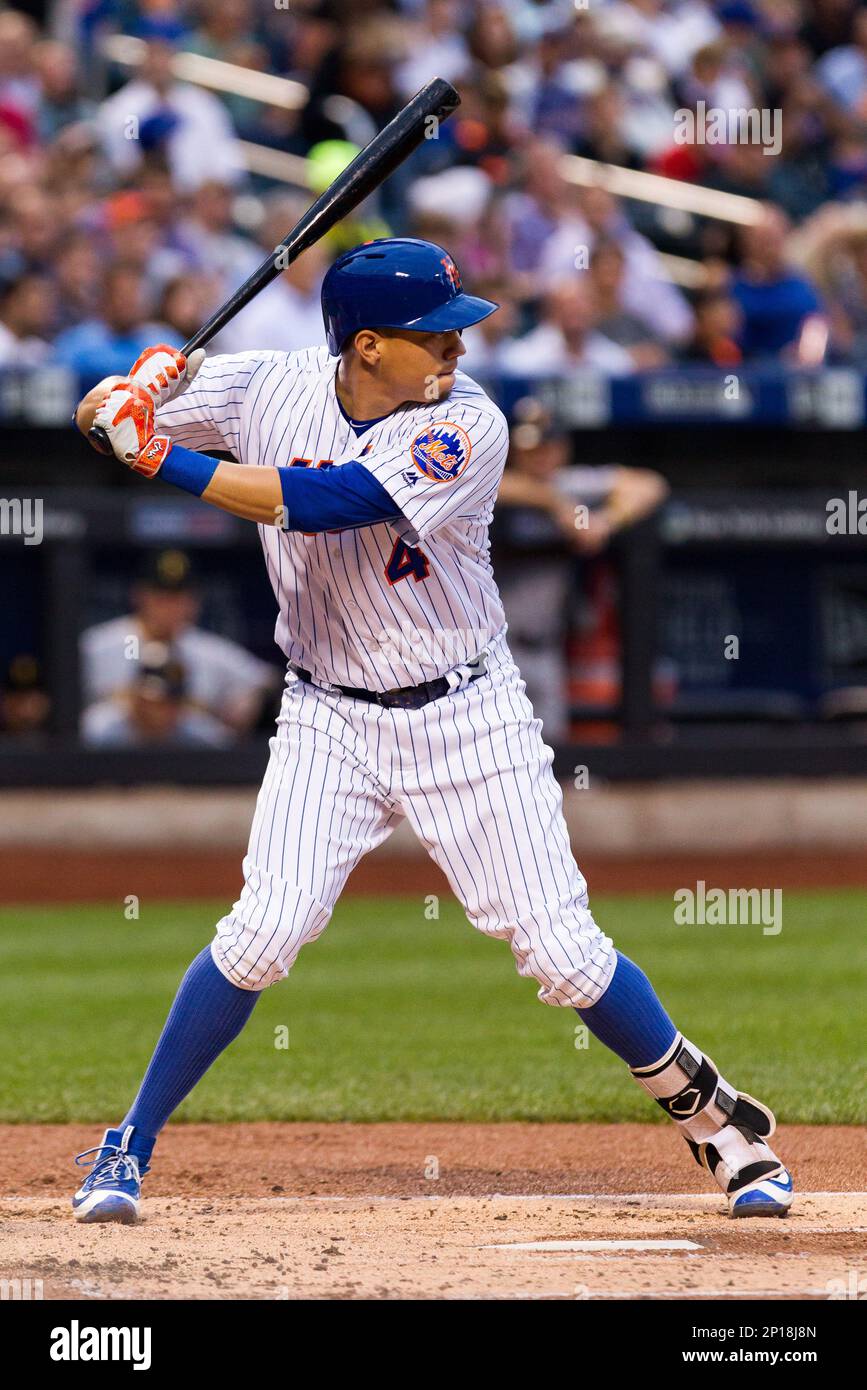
112,1189
767,1197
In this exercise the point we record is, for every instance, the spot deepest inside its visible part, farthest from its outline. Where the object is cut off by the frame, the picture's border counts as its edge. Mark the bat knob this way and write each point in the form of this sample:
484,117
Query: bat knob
99,440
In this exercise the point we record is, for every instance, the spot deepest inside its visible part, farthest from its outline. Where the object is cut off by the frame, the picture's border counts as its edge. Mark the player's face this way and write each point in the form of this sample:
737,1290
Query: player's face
419,366
544,459
165,613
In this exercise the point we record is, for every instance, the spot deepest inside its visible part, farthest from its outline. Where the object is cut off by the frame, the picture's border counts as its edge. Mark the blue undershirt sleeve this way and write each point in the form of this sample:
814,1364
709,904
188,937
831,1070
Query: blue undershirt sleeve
330,499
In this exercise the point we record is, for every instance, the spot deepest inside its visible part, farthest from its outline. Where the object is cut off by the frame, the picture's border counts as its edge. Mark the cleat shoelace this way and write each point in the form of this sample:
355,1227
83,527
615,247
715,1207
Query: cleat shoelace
116,1167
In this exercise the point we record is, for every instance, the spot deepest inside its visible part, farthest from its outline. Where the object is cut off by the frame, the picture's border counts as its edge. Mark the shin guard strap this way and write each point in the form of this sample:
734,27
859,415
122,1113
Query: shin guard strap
690,1090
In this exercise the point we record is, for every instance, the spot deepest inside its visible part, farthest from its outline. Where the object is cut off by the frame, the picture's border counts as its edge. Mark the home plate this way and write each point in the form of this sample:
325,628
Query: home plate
590,1246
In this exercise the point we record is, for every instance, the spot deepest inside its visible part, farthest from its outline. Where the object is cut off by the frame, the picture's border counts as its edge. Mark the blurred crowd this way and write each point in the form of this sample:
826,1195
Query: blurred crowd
128,212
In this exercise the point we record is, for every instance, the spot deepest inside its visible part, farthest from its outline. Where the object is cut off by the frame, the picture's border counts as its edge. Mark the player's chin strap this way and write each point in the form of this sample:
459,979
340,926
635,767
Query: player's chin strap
690,1089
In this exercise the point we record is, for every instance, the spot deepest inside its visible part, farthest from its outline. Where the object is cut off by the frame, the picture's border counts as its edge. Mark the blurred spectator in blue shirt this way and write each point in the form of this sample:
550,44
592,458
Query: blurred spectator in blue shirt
774,299
76,277
613,317
34,228
60,100
557,103
542,207
109,345
25,317
212,244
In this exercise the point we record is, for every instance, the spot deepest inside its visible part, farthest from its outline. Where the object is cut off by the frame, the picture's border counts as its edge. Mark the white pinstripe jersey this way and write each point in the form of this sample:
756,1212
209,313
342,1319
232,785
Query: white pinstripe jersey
380,606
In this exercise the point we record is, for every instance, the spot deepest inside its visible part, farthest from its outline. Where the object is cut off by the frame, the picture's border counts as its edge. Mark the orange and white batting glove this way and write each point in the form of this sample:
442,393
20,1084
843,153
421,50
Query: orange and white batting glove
164,372
127,416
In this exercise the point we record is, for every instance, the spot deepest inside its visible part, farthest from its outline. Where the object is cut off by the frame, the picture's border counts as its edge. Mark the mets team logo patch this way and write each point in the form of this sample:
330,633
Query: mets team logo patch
441,452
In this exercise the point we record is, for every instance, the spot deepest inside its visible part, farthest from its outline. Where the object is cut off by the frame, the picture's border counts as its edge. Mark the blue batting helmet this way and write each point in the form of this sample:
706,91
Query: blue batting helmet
396,282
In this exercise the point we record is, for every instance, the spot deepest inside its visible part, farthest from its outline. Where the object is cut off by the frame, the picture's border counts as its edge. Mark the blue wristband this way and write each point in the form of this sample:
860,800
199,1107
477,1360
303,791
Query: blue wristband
186,469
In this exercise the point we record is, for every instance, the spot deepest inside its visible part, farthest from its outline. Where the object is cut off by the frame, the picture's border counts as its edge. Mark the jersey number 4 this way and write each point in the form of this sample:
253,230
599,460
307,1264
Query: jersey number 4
406,560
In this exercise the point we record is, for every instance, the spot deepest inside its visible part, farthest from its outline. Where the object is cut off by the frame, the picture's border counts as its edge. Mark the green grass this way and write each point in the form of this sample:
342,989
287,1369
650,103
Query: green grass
391,1016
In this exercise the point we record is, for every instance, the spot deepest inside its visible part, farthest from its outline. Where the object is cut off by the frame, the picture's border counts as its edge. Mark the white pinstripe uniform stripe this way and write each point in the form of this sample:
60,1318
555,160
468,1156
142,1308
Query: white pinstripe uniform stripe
470,770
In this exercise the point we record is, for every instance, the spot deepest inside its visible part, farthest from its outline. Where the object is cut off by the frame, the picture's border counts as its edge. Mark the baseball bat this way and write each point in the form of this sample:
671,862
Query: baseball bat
388,149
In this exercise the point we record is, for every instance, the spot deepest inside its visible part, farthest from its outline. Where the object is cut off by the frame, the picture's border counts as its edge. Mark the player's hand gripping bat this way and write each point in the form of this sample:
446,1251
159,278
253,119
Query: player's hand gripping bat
386,151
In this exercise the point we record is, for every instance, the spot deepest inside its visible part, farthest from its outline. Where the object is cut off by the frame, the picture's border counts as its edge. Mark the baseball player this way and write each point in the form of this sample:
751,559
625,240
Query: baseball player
371,467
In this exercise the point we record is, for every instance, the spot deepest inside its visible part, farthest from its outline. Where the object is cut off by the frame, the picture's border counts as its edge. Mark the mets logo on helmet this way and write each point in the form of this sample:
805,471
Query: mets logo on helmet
441,452
453,275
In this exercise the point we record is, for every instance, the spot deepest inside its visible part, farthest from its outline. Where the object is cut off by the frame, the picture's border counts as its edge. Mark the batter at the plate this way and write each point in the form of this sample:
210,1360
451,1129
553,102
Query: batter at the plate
371,467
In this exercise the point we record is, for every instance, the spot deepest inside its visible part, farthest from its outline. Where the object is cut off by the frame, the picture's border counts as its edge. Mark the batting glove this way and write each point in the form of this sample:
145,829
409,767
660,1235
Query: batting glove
127,416
164,372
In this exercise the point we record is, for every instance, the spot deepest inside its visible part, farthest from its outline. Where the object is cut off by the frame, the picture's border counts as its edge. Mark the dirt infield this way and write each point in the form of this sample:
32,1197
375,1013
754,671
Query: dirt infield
275,1211
37,875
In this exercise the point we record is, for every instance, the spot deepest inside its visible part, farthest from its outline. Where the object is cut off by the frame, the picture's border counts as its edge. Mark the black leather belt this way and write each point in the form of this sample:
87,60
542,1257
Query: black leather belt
406,697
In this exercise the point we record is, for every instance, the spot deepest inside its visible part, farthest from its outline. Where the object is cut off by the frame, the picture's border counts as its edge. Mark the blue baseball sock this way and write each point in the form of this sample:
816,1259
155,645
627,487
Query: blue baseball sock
629,1018
208,1013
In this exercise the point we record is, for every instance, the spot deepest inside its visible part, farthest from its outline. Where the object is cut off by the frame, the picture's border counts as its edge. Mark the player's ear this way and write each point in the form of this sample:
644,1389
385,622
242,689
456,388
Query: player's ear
367,344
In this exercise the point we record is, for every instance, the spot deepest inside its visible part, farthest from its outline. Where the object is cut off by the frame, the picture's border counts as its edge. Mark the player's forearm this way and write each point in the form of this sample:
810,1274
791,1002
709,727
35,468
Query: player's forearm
251,493
636,493
523,490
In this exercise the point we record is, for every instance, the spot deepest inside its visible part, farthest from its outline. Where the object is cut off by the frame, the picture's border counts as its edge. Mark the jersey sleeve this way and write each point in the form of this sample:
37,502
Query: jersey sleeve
448,469
212,413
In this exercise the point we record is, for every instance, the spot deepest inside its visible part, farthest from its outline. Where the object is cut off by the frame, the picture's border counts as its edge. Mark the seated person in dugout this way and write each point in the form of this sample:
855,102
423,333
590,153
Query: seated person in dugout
222,679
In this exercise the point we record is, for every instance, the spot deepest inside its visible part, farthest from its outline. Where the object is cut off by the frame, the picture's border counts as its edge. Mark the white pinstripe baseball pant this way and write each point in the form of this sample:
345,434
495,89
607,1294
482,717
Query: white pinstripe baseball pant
472,775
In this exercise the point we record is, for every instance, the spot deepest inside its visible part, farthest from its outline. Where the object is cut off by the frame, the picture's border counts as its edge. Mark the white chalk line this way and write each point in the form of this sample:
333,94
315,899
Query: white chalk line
593,1246
648,1295
646,1198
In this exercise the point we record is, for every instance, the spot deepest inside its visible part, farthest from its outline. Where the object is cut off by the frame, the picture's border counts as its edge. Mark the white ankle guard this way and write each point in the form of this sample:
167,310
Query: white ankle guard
735,1160
690,1089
